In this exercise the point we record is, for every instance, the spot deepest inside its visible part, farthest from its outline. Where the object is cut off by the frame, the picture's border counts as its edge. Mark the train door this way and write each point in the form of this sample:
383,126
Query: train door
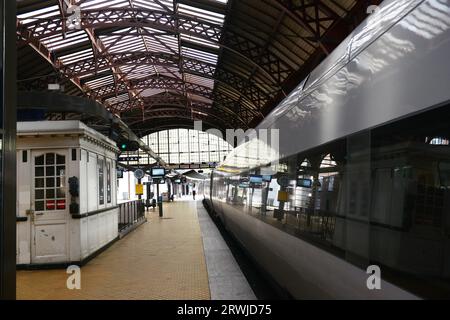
49,229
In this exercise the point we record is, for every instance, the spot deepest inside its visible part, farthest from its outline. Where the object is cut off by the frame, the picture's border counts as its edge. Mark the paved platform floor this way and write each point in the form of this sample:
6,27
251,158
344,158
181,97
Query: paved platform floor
162,259
226,280
181,256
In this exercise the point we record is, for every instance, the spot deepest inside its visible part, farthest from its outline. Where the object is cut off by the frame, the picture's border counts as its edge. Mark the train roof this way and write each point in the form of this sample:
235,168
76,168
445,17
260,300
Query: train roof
353,89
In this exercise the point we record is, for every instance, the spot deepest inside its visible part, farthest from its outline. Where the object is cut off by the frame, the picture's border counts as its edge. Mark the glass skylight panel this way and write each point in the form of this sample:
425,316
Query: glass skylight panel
32,16
72,35
126,44
132,40
201,14
199,55
151,92
199,80
100,82
163,43
201,99
122,32
169,71
119,98
76,56
138,71
127,47
154,5
97,4
85,75
58,42
153,32
199,41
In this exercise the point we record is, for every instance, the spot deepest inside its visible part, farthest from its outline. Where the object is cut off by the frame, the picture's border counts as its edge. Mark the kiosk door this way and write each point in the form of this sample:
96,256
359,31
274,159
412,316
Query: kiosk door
49,207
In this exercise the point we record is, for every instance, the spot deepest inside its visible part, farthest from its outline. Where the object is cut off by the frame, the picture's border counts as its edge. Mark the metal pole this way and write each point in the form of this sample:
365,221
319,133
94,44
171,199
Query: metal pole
129,189
160,207
147,201
8,164
139,182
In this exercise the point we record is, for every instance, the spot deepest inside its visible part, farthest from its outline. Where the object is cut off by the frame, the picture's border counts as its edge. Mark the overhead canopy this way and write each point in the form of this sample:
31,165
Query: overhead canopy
164,63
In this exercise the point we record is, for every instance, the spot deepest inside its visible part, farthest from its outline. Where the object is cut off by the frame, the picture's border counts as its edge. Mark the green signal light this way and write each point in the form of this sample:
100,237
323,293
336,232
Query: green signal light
127,145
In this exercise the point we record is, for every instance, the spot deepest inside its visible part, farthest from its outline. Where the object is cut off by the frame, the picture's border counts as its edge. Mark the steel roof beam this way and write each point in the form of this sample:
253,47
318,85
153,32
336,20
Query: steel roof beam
159,82
26,36
170,112
192,66
141,18
185,102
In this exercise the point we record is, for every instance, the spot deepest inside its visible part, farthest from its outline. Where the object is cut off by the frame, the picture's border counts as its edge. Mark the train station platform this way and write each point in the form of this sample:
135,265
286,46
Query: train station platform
180,256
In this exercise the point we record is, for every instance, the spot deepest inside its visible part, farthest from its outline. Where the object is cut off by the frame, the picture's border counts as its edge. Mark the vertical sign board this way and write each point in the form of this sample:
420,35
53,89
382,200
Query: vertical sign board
8,93
139,189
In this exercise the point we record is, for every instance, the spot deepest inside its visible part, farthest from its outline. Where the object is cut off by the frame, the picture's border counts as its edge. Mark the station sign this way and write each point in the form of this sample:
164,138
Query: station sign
158,172
283,196
139,189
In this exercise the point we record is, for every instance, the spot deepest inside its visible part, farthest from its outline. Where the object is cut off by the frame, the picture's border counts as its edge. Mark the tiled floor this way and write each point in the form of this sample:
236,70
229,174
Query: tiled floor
162,259
226,279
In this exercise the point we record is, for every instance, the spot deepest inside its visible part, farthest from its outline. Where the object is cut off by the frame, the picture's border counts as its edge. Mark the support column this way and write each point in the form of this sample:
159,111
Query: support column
8,122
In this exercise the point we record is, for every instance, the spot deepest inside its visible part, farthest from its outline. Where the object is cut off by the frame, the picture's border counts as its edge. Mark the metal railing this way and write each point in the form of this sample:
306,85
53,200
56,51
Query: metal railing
130,213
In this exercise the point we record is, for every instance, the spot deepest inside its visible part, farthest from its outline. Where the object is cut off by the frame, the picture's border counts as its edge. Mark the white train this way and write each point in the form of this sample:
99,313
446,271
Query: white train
365,155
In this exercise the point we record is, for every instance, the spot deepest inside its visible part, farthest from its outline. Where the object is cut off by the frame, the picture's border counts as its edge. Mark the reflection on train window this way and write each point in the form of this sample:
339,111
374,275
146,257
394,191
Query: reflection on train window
384,201
49,182
439,141
444,174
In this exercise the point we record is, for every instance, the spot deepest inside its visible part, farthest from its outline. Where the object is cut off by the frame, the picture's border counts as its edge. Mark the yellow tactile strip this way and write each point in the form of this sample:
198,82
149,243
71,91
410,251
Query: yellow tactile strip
162,259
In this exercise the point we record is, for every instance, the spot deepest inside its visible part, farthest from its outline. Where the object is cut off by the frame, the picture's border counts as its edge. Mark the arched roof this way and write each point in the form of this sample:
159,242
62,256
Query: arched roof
166,62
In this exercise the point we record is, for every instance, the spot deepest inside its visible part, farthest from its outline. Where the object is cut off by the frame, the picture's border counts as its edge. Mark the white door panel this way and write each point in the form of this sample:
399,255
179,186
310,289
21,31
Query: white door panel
49,204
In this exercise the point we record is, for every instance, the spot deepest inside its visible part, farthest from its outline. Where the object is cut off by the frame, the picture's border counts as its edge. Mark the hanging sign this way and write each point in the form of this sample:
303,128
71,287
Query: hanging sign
139,189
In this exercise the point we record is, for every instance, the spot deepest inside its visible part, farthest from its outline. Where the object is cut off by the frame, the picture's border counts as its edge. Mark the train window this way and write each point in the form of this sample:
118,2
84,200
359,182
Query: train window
380,197
439,141
444,174
327,162
101,183
50,182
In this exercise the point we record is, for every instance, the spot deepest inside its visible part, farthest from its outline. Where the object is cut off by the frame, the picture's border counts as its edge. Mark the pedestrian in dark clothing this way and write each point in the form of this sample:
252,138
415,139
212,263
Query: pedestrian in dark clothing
193,194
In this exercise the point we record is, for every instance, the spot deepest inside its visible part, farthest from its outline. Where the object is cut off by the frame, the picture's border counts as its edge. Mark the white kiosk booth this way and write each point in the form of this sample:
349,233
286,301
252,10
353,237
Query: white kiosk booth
66,193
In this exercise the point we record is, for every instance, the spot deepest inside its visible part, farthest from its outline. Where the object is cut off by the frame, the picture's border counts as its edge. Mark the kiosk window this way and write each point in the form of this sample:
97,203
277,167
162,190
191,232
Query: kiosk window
108,182
101,183
50,182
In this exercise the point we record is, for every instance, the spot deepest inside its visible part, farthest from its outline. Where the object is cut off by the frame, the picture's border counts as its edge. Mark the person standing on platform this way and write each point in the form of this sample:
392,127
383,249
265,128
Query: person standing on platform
193,194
